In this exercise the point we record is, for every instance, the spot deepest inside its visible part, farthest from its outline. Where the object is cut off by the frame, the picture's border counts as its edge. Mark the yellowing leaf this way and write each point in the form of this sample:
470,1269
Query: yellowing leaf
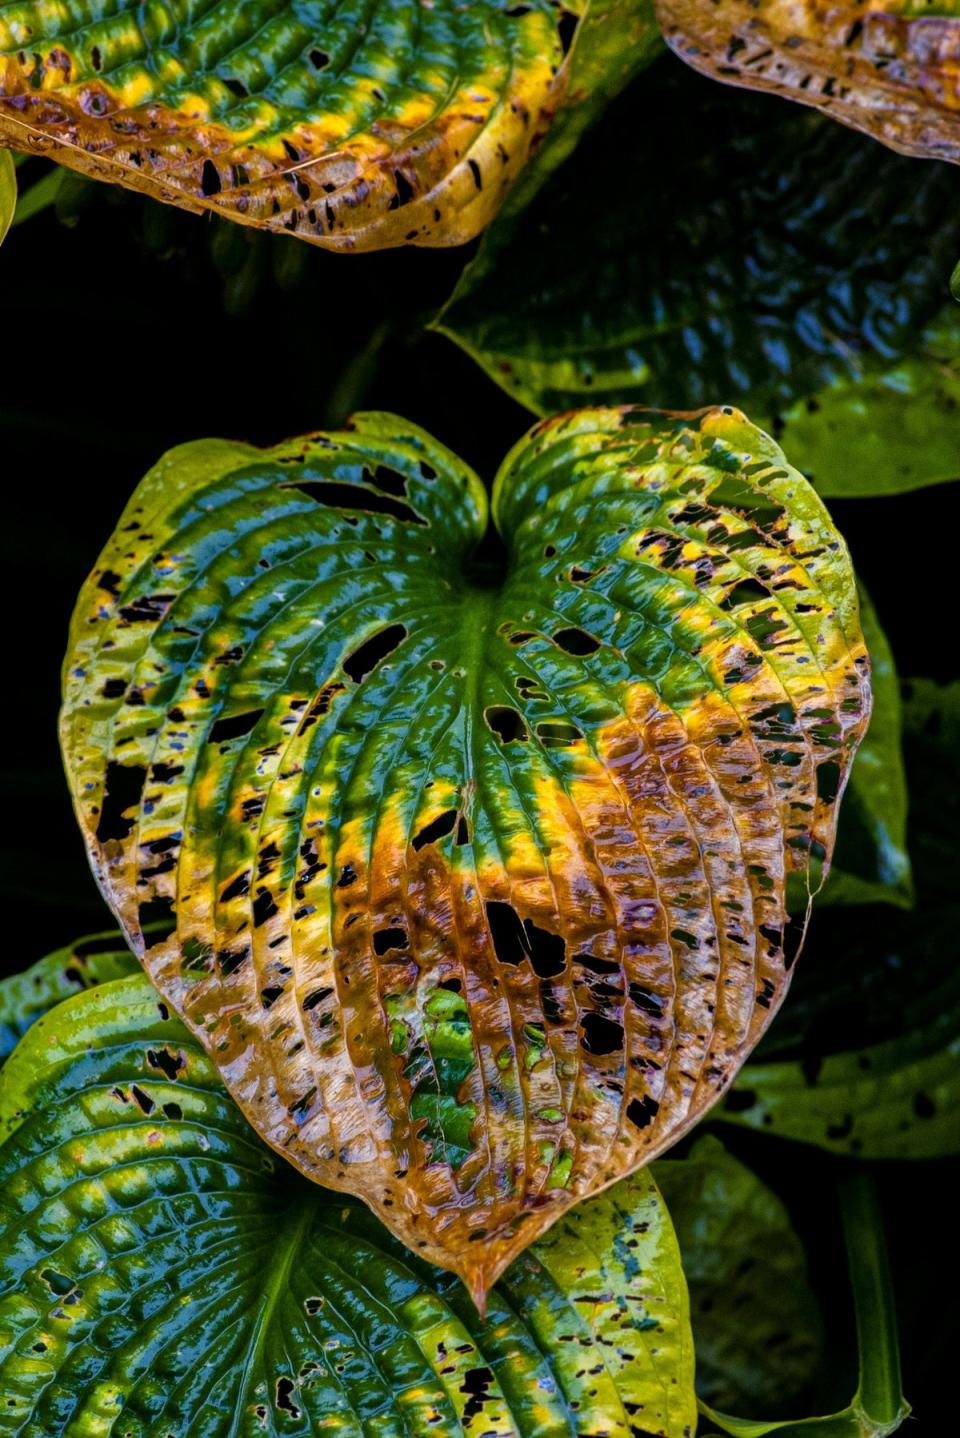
888,69
162,1275
473,869
357,126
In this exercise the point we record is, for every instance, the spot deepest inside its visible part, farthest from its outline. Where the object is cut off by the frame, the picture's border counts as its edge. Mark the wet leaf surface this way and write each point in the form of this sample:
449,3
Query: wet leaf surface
24,997
161,1270
473,868
357,125
788,266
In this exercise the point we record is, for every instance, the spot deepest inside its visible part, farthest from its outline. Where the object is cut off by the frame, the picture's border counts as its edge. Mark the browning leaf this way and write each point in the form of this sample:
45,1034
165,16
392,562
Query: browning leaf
356,126
888,69
477,871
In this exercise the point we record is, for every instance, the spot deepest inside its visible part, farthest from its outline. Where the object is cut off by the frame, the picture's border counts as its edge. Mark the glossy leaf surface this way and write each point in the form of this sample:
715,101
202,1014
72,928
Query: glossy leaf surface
94,959
756,1326
887,68
355,125
164,1275
810,286
476,868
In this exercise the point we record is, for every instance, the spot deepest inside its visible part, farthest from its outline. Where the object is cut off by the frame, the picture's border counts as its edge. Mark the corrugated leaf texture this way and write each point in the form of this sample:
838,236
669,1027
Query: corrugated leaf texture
163,1275
473,867
887,67
810,287
357,124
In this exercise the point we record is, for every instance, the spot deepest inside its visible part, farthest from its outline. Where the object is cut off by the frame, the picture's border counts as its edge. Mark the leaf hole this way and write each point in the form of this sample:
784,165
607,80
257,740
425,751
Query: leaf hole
373,651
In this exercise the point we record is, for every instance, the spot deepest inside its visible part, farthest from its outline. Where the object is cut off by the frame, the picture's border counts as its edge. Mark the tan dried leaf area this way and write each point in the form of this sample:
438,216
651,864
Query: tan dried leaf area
354,125
888,69
470,871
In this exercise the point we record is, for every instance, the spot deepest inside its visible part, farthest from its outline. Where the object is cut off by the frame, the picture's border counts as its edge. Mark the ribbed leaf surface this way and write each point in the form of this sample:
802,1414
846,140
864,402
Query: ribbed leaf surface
164,1275
888,68
475,871
355,123
810,286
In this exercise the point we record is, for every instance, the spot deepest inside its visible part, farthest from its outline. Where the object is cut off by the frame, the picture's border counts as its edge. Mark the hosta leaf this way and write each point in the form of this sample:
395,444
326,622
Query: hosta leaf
871,863
878,1407
811,286
755,1320
163,1275
8,192
887,68
899,1099
355,125
886,981
477,869
94,959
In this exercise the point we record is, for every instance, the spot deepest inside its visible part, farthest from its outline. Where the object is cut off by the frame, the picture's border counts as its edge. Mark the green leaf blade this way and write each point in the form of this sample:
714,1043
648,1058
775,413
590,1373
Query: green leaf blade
474,876
162,1270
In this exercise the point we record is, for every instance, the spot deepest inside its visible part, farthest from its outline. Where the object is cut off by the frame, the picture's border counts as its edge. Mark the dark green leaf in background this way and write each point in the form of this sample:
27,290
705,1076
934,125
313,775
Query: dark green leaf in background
745,249
756,1325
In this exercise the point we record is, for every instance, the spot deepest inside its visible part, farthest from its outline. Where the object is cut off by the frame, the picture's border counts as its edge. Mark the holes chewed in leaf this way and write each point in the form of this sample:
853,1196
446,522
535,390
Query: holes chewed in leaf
576,641
233,726
437,828
498,896
123,785
206,1203
348,151
371,653
507,723
353,496
601,1035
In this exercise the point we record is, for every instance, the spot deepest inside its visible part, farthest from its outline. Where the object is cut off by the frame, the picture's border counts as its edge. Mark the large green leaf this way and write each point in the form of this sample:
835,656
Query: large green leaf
756,1326
474,869
164,1275
878,1407
94,959
887,68
811,285
871,862
356,125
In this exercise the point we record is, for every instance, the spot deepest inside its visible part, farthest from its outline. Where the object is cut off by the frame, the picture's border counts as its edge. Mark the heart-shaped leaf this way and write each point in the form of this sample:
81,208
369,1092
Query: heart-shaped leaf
887,68
474,869
162,1275
355,126
810,286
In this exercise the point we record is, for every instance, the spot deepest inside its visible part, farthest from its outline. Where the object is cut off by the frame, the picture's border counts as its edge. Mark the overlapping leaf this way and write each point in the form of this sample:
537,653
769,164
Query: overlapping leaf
888,67
786,265
357,125
756,1325
164,1275
871,863
94,959
474,873
865,1059
878,1407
